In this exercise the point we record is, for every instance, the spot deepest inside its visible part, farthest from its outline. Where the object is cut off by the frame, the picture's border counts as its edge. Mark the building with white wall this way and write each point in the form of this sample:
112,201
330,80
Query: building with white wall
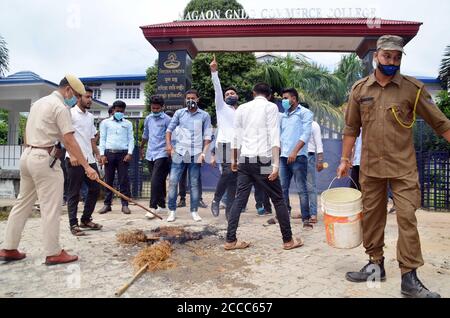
128,88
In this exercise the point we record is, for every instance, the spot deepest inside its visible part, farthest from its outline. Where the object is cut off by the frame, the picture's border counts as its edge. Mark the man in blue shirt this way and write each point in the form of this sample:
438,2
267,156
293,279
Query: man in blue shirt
116,149
193,139
295,129
155,127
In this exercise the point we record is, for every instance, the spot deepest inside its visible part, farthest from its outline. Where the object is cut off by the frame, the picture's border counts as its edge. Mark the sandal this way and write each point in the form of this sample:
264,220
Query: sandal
294,243
236,245
91,225
313,219
76,231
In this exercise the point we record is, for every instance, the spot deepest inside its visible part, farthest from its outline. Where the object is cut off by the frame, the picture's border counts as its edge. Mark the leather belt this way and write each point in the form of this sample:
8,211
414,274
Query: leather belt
49,149
116,151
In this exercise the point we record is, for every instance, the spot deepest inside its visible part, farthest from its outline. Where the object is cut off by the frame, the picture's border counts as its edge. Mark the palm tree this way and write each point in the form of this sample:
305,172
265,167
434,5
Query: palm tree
324,91
349,70
444,71
4,58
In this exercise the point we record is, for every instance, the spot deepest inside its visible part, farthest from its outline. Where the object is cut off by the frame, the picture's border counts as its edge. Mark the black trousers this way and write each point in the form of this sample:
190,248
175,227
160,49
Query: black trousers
354,174
66,180
228,179
258,172
75,178
159,169
261,198
115,162
182,185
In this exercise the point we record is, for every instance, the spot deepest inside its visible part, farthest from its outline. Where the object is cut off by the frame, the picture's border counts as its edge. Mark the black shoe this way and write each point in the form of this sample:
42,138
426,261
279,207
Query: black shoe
202,204
105,209
215,208
126,210
370,272
413,287
182,203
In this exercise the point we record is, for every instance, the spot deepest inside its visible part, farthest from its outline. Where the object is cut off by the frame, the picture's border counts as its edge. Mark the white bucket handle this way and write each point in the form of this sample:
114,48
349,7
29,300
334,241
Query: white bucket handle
339,178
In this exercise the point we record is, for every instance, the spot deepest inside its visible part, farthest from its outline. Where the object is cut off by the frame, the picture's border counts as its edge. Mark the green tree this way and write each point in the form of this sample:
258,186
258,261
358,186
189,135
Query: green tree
349,70
205,5
3,127
425,137
444,71
323,90
4,57
150,85
233,71
443,102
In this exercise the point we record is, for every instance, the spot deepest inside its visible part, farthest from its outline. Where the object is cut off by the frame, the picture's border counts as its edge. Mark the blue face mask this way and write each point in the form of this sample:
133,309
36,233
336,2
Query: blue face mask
71,101
232,100
156,114
286,104
388,70
118,116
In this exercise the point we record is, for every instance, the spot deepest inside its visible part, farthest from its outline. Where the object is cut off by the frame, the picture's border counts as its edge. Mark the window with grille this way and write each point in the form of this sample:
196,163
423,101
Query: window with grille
128,93
97,94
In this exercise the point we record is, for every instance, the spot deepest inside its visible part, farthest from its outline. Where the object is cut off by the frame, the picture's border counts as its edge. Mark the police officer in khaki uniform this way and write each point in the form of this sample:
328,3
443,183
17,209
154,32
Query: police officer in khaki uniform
385,105
41,178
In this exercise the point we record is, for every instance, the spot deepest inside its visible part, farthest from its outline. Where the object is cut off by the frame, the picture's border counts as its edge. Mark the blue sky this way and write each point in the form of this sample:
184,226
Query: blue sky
102,37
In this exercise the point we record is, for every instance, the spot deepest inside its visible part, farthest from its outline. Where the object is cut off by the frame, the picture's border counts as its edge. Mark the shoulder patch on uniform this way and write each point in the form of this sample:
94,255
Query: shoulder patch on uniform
413,80
361,81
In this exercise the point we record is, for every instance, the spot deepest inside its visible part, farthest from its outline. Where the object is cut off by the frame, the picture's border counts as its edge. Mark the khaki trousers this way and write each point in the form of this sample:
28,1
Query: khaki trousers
406,194
37,181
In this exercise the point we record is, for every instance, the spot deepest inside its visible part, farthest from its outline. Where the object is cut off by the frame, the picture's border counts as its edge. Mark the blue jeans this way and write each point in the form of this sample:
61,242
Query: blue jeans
312,184
178,165
298,170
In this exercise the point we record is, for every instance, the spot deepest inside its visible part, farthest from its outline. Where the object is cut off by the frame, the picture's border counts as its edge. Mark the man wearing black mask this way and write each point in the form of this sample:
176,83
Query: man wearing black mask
192,142
226,105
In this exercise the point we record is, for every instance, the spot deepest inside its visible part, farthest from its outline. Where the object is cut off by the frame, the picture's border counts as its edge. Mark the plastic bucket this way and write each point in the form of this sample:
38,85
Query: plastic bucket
342,209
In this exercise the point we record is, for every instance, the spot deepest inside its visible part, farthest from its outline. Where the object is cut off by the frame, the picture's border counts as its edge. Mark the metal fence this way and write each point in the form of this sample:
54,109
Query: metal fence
433,164
10,157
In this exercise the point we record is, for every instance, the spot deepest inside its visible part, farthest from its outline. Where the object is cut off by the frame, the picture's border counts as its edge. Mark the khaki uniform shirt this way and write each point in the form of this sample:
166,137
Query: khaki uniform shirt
387,147
49,120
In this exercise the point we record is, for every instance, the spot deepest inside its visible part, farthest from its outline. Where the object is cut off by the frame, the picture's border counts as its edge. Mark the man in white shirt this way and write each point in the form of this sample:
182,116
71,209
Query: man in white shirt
257,136
315,164
225,111
85,131
356,162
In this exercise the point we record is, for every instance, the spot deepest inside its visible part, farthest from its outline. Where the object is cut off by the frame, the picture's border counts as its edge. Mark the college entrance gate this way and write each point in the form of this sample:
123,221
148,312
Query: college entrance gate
179,42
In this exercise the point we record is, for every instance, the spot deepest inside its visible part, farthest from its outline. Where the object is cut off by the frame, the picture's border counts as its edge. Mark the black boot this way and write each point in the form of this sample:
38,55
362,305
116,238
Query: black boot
413,287
215,208
369,272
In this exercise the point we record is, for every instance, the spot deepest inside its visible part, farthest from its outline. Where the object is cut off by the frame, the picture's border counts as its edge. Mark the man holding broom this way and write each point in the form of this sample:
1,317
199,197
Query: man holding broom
40,177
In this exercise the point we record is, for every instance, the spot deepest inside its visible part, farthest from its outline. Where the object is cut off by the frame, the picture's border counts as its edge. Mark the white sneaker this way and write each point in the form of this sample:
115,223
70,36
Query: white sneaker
162,210
171,216
149,215
196,217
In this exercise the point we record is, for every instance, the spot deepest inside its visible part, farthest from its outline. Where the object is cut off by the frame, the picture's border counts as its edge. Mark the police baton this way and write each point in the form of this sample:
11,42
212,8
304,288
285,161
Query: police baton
103,183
